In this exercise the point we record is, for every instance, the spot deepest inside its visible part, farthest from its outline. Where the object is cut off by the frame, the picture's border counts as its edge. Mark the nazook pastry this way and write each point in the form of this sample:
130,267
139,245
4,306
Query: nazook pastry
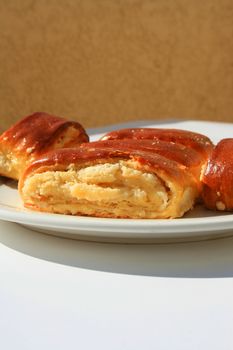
196,141
106,179
193,160
217,179
197,148
34,136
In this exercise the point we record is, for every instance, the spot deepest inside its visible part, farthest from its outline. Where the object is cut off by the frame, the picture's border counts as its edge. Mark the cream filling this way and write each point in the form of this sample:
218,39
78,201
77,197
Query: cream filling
5,163
10,166
110,189
68,137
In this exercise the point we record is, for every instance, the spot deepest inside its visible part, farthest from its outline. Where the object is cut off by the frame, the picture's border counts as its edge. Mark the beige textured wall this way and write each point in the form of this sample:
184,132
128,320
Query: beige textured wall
107,61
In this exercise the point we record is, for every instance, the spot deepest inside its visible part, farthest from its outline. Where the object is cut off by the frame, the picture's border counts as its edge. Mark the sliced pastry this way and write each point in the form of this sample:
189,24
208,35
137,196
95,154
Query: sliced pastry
34,136
198,142
193,160
218,177
106,179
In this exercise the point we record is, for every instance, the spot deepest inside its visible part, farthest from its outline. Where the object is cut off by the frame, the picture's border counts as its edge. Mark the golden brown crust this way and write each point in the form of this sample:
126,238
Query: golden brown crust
39,131
218,177
95,152
179,153
33,136
196,141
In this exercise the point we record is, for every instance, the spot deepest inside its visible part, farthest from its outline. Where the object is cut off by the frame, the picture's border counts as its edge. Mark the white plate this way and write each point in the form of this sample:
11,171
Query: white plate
198,224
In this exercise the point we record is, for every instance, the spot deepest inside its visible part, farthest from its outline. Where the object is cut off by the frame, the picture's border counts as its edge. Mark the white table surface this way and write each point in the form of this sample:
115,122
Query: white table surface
57,293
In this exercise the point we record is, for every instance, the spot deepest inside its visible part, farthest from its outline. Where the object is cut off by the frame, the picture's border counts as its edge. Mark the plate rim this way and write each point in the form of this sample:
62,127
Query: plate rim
95,224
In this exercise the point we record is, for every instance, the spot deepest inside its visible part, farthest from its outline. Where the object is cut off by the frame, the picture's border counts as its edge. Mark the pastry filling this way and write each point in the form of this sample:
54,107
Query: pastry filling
10,165
68,138
105,190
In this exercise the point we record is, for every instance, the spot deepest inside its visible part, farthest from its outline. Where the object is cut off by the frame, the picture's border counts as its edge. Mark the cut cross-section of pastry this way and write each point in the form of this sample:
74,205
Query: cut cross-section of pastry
218,177
33,136
109,181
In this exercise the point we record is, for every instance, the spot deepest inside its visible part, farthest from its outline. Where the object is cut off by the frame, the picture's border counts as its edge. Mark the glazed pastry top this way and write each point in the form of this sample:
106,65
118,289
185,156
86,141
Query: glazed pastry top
191,139
218,177
37,132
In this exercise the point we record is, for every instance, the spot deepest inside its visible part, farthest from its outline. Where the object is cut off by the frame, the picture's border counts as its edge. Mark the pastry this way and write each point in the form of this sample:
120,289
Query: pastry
33,136
196,147
218,177
192,159
198,142
107,180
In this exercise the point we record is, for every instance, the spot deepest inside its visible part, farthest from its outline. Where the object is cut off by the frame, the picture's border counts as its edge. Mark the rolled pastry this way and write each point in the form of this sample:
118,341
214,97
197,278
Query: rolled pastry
198,142
187,156
218,177
108,181
33,136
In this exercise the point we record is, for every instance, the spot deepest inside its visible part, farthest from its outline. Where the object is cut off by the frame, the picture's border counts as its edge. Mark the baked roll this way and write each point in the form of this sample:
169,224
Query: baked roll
200,143
106,180
218,177
33,136
184,155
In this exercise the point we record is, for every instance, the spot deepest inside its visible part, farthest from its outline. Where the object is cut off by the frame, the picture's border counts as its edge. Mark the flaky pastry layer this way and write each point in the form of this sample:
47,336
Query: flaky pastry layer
120,188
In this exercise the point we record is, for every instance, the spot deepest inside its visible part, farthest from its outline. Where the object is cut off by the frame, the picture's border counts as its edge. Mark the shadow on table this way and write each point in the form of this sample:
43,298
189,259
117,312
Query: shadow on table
213,258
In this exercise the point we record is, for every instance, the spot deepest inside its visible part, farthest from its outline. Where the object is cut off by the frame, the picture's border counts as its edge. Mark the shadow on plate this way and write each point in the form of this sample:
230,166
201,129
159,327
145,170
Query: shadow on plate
206,259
